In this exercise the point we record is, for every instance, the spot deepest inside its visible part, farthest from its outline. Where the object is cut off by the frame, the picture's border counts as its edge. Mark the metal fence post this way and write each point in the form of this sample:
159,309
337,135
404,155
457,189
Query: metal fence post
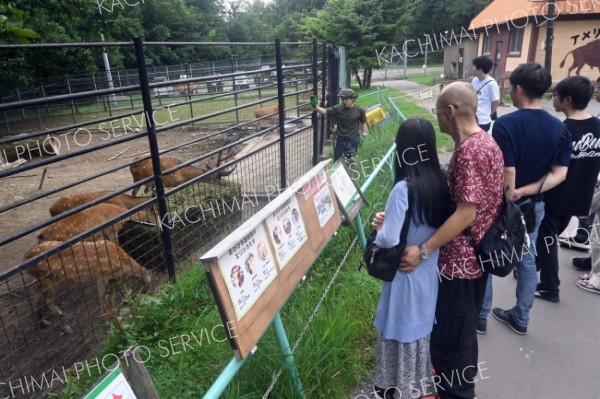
188,73
6,122
281,104
313,117
44,95
160,189
22,108
37,108
235,97
324,82
73,110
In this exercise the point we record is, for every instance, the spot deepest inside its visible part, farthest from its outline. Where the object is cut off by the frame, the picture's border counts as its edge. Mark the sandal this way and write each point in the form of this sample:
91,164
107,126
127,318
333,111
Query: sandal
585,285
584,276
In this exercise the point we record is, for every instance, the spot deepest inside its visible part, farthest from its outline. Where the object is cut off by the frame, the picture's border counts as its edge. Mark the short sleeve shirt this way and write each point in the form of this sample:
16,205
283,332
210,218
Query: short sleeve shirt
475,175
574,195
348,119
487,92
529,139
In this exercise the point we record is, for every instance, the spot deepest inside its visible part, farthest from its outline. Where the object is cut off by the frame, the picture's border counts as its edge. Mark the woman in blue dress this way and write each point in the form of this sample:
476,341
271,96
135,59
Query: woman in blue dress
406,309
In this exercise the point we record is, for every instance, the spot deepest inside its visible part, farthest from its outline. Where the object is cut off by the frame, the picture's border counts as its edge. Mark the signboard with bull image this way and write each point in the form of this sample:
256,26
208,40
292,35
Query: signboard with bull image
588,54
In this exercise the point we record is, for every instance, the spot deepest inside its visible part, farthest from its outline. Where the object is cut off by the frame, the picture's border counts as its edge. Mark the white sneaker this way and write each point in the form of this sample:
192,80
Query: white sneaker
573,243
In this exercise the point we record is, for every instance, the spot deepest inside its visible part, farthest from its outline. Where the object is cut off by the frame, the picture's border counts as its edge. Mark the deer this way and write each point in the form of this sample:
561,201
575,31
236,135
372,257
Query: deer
269,113
89,218
99,261
70,201
143,169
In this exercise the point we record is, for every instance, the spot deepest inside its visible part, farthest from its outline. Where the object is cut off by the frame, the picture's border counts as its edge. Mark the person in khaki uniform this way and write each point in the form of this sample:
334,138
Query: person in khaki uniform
351,123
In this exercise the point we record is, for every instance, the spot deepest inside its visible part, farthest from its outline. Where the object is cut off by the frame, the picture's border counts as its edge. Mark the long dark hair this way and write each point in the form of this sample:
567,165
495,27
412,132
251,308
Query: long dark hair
416,161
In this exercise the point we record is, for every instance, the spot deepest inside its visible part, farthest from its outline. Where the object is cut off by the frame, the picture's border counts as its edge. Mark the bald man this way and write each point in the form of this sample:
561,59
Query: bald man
475,179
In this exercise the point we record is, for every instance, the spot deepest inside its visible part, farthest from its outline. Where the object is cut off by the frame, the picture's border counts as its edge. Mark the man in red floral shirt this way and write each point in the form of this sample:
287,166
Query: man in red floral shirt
475,179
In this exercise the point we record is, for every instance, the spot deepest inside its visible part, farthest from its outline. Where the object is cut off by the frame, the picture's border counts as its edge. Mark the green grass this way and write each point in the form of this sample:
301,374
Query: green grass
423,79
410,109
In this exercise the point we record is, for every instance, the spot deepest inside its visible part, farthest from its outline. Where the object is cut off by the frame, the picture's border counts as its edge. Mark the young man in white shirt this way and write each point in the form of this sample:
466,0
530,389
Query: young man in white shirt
488,93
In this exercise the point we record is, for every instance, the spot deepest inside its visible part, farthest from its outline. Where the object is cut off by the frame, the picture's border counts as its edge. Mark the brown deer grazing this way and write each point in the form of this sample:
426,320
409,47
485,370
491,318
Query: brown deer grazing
71,201
143,169
270,115
89,218
84,261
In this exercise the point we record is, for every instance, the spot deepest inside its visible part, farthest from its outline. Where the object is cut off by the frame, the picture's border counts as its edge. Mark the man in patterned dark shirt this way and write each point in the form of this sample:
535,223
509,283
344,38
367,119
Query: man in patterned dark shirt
475,179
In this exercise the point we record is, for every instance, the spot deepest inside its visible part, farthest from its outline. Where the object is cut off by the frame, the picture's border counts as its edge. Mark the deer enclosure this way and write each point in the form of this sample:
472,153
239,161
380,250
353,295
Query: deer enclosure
97,209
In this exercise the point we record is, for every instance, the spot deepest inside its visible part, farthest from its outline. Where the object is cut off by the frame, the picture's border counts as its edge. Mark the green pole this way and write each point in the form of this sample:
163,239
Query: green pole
288,356
365,187
361,231
218,387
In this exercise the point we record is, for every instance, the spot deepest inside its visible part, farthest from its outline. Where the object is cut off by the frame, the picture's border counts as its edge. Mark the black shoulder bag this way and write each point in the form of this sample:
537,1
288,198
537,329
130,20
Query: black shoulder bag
382,263
501,247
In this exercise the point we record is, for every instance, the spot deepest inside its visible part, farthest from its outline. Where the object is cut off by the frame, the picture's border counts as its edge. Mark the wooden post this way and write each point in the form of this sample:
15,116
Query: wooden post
137,376
42,179
502,80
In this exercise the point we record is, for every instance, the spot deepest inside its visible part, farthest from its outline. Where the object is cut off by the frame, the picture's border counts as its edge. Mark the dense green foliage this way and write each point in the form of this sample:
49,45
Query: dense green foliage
362,26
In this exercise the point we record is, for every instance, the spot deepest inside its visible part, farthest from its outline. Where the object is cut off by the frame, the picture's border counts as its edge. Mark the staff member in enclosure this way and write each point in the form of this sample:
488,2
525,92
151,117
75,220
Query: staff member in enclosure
406,309
351,121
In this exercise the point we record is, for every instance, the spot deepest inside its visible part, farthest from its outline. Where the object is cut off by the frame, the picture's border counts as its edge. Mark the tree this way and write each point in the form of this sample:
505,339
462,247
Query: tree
11,25
347,23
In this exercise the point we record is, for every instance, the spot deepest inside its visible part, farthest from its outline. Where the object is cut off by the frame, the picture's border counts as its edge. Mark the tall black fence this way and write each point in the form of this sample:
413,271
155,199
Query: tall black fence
202,153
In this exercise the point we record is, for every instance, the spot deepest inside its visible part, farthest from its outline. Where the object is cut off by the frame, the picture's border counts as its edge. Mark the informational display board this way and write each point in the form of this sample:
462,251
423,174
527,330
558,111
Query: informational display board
254,270
113,386
347,192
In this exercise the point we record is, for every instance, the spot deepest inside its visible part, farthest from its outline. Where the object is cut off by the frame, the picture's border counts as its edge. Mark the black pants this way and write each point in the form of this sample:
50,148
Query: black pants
547,251
454,347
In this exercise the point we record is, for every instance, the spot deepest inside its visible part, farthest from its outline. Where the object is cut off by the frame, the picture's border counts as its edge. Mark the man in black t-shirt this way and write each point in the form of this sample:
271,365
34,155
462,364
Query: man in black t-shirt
573,197
351,122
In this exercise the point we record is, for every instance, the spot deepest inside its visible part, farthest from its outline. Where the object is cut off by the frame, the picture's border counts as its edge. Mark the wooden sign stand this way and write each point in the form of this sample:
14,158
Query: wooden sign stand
254,270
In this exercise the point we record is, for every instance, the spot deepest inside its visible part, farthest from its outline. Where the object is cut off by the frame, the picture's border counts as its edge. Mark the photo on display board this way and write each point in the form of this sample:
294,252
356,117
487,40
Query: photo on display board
324,205
237,276
250,263
248,267
291,236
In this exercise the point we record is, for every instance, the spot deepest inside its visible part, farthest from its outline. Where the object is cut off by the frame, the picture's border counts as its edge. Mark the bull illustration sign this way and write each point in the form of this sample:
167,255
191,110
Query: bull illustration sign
588,54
